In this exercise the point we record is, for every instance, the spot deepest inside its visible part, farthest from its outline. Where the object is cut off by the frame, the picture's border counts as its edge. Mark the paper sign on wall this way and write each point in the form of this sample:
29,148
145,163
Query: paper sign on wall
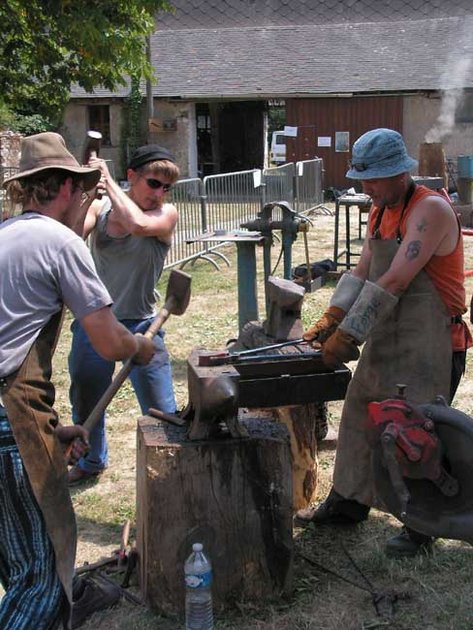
290,131
342,141
324,141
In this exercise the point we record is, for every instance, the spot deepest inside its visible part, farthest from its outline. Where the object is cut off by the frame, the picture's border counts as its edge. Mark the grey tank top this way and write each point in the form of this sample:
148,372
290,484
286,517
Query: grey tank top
129,266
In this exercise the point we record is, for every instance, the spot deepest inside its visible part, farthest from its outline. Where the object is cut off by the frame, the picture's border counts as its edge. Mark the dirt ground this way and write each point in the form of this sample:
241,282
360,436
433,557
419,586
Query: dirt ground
433,593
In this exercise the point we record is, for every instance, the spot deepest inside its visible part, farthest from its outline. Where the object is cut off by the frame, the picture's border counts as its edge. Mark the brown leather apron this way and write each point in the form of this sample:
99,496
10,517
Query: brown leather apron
411,346
28,398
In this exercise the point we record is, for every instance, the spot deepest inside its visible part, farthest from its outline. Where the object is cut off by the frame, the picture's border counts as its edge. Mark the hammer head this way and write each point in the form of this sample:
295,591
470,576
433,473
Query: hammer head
93,142
178,292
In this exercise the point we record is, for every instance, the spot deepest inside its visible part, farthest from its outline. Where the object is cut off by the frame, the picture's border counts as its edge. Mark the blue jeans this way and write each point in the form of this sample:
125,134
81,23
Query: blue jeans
91,375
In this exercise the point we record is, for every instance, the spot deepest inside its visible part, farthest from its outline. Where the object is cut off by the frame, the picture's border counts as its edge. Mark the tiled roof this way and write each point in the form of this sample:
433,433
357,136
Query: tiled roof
311,59
308,59
240,13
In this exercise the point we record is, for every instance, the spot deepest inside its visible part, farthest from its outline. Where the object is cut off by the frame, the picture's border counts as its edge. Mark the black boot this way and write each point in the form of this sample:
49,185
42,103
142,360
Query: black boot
408,544
90,594
335,510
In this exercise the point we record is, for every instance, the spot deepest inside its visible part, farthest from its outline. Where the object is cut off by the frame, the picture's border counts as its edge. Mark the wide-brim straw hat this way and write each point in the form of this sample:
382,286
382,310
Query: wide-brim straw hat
380,153
47,150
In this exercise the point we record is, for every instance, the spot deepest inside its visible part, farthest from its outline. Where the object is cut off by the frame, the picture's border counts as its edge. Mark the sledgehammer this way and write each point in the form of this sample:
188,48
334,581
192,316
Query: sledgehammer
93,143
178,294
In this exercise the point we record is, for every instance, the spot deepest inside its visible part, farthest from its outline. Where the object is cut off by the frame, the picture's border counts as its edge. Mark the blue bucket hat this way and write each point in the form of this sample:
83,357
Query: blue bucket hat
379,153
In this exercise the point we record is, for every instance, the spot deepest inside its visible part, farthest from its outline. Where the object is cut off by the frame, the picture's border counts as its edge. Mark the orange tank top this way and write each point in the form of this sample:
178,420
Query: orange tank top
446,272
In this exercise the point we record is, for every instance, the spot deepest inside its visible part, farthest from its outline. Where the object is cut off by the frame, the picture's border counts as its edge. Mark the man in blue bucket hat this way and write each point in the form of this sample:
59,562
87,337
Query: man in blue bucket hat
404,300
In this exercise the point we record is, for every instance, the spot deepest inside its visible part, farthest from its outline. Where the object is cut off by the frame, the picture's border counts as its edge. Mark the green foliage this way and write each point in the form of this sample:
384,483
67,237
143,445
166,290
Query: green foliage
276,118
25,124
7,118
48,45
35,123
132,131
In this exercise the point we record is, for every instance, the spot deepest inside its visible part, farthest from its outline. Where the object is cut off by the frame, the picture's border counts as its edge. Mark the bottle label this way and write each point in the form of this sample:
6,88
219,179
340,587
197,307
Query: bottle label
202,580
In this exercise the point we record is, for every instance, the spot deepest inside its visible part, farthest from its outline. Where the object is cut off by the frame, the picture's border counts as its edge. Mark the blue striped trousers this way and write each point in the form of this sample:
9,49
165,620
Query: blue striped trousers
34,595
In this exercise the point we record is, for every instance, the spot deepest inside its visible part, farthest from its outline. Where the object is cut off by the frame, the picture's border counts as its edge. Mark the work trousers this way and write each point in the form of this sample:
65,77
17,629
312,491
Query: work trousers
34,596
91,375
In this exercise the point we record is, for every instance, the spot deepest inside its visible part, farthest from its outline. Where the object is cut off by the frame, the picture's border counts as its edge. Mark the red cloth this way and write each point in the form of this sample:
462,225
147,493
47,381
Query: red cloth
446,272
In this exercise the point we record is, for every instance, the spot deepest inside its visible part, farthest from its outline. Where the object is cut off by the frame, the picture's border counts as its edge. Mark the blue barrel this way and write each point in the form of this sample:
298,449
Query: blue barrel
465,166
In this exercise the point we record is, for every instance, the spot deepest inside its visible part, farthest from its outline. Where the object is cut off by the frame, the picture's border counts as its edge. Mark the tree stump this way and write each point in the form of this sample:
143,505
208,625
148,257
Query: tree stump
307,425
232,495
299,420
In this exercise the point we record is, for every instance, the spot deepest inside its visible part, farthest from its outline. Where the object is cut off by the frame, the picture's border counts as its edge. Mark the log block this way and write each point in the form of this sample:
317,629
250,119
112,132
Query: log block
301,425
232,495
307,425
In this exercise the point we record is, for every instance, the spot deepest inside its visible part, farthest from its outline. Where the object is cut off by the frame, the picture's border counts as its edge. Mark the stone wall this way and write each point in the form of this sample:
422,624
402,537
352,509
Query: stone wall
9,149
179,137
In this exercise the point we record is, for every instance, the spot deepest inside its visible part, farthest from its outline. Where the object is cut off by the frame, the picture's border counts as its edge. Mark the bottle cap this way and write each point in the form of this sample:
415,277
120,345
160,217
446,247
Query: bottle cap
197,547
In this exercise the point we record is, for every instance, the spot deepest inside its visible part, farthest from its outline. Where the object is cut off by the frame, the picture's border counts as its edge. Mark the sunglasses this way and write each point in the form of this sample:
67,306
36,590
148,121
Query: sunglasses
358,167
155,184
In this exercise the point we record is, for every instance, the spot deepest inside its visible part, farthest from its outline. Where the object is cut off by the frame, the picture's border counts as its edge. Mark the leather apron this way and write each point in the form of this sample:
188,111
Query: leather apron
411,346
28,397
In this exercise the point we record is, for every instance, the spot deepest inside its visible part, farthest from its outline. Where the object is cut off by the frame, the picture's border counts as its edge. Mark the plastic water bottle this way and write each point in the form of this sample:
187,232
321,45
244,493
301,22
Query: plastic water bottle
198,576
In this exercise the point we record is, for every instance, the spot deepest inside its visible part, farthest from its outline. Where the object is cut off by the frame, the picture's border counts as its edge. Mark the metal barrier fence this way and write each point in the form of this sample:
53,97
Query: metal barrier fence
188,197
223,202
279,183
232,199
308,185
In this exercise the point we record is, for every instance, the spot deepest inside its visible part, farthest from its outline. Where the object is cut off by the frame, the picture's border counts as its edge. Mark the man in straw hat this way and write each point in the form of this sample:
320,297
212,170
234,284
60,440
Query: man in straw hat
44,267
405,299
130,236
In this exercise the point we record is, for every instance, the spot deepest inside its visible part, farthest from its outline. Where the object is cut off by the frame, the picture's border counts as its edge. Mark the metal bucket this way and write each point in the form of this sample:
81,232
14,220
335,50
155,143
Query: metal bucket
465,166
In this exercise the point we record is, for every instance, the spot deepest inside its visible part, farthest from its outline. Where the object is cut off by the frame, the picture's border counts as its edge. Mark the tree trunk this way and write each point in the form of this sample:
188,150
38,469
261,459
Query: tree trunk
307,425
300,422
232,495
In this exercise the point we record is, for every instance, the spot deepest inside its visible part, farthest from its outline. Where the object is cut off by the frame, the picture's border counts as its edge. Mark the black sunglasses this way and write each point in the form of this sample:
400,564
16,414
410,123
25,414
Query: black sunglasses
155,184
358,167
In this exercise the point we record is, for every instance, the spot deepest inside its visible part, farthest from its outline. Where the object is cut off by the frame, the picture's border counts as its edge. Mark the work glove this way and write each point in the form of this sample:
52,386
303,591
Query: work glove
340,348
318,334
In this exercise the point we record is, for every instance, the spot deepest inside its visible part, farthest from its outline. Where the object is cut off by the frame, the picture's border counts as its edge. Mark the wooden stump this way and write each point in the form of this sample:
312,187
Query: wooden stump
300,422
232,495
307,425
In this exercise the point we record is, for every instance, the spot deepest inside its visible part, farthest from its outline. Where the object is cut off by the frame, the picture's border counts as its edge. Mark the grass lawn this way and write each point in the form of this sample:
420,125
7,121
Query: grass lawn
433,593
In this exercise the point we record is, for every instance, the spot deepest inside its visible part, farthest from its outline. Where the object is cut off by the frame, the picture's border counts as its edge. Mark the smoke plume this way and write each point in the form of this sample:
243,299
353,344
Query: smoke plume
452,82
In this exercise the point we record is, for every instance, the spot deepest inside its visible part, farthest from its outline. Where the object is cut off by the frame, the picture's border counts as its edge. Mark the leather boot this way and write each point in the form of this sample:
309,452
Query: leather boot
408,544
90,594
335,510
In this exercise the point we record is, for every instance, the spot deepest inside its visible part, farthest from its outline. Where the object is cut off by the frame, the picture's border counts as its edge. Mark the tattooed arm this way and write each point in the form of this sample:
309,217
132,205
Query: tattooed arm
432,229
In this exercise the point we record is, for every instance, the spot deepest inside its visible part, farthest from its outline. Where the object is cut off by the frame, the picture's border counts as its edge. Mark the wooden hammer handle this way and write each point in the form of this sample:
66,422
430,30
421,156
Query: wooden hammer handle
123,374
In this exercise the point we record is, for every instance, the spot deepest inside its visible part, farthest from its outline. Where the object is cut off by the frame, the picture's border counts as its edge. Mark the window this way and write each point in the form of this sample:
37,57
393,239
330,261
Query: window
99,120
464,113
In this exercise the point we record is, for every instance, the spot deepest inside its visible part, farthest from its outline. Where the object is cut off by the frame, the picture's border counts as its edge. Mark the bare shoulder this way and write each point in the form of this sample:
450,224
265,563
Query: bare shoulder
433,212
94,210
167,212
98,206
434,223
169,208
